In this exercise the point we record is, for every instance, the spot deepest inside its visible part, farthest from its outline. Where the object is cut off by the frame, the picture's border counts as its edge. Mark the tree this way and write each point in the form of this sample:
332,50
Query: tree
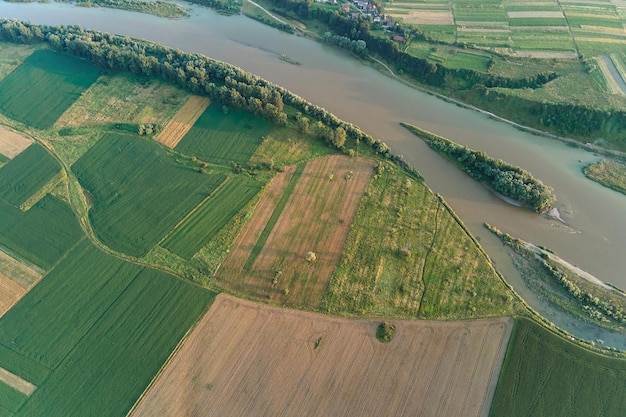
339,139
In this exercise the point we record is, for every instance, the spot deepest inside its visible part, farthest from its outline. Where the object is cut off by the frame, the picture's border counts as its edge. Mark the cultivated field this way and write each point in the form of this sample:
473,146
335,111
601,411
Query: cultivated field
244,359
89,325
182,121
41,235
224,138
12,143
520,28
123,99
46,84
545,375
26,174
16,279
316,217
10,293
205,222
140,191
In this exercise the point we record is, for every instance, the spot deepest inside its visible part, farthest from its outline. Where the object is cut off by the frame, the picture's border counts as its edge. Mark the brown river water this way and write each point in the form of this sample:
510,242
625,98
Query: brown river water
594,238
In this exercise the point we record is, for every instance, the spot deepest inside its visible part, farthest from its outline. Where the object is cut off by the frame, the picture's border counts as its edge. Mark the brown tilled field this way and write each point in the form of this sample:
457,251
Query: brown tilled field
245,359
183,120
10,293
12,143
15,280
316,218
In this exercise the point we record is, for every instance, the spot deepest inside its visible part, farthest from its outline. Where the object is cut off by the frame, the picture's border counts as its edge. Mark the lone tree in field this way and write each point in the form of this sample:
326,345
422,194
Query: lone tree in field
385,331
311,256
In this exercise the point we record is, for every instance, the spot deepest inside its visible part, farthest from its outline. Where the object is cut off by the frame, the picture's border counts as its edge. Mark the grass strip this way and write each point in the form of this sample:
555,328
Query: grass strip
275,215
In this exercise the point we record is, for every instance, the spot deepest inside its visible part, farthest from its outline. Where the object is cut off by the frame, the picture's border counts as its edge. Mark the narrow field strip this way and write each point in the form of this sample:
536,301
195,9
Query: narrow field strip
183,121
258,247
16,382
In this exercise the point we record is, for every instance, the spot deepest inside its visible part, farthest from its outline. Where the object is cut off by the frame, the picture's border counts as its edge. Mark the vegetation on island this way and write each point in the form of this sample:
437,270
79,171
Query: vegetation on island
509,180
609,172
595,303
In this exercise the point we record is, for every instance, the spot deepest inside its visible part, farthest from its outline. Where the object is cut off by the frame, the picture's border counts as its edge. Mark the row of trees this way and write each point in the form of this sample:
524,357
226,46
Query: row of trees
504,178
222,82
358,47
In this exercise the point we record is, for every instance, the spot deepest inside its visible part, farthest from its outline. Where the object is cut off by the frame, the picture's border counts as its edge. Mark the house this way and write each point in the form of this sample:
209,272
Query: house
398,38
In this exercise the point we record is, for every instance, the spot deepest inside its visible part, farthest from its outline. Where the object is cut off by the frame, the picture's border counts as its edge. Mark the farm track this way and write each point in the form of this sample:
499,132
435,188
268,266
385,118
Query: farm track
244,358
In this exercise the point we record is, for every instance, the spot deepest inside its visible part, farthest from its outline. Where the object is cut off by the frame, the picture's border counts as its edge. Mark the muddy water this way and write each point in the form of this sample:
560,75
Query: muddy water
594,238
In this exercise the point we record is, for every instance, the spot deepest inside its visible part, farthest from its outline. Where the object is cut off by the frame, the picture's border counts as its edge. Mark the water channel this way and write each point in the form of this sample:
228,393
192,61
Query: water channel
594,237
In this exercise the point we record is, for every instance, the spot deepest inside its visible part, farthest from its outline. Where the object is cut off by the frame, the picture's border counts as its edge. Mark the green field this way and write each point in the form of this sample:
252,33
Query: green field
91,322
197,230
46,84
545,375
406,256
224,138
24,175
139,191
10,399
43,234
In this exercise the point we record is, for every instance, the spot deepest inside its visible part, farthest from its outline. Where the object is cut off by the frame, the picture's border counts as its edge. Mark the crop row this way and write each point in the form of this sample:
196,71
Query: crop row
39,91
197,230
140,192
91,322
546,375
26,174
42,234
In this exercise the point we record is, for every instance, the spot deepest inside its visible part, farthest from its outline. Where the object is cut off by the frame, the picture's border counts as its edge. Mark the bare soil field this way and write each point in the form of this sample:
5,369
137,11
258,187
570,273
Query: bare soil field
183,120
16,382
24,275
316,218
244,359
426,17
12,143
10,293
538,14
15,281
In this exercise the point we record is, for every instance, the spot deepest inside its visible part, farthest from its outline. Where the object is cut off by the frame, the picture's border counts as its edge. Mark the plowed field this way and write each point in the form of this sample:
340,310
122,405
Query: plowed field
316,218
10,292
12,143
182,121
245,359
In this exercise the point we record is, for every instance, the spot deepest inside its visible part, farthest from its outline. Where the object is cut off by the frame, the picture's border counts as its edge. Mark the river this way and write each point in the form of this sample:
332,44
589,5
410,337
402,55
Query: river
594,238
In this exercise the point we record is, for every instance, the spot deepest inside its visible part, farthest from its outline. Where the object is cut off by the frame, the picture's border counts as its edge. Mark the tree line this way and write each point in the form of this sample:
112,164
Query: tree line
509,180
225,83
